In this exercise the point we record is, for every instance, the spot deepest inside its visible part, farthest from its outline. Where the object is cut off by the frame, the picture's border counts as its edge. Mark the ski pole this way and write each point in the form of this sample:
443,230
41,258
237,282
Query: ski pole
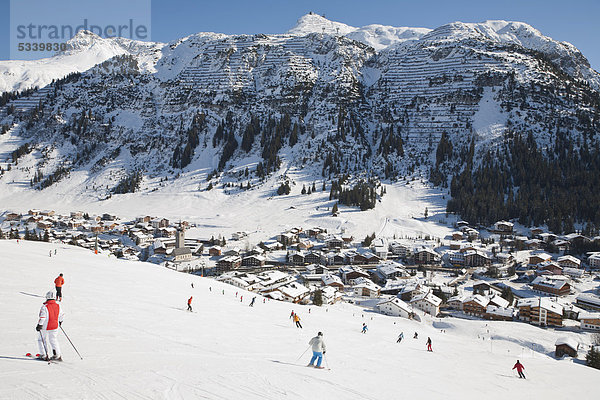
45,348
303,353
63,331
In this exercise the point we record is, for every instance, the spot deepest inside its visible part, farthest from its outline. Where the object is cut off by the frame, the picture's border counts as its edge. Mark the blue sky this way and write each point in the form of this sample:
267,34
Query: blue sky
574,21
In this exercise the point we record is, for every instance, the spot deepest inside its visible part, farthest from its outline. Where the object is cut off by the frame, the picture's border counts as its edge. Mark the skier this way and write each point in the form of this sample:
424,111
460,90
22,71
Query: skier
292,315
400,337
50,253
520,369
50,318
192,285
58,282
297,321
416,336
429,344
364,328
190,303
241,298
252,302
318,349
54,251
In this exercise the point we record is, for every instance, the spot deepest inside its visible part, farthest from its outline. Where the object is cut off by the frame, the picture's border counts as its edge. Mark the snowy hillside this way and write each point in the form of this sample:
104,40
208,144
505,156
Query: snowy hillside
129,323
243,114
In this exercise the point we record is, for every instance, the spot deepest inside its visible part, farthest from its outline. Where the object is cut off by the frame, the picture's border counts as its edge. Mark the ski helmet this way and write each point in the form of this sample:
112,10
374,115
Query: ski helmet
320,334
51,295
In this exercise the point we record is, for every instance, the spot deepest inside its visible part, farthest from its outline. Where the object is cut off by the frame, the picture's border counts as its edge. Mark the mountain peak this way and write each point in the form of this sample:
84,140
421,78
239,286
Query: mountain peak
315,23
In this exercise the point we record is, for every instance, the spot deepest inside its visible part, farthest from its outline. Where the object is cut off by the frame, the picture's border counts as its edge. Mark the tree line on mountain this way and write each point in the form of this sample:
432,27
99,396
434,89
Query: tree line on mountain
556,187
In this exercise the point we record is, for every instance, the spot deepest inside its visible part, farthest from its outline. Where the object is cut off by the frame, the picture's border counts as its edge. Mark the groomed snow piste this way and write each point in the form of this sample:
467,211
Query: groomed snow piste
128,321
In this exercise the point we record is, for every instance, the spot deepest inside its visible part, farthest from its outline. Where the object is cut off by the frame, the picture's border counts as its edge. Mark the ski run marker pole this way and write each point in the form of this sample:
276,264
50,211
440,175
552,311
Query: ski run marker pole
63,331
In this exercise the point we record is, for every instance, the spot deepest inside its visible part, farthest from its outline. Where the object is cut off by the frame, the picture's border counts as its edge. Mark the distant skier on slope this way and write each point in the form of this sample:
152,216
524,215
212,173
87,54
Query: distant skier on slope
50,318
292,315
297,321
318,349
58,283
416,336
429,344
365,328
190,303
252,302
520,369
400,337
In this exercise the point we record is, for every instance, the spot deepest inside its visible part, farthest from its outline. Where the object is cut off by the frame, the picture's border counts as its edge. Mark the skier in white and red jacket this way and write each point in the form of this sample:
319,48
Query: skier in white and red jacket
51,317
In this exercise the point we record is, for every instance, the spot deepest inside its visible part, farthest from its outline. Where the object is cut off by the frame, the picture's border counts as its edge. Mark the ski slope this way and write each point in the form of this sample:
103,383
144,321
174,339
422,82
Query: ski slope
128,321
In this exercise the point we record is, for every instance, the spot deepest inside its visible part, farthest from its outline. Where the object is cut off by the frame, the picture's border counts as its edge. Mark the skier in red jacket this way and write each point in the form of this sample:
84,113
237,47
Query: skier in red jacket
520,369
51,317
190,303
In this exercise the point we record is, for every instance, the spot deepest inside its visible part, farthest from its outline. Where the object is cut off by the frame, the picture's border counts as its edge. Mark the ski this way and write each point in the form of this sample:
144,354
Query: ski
37,357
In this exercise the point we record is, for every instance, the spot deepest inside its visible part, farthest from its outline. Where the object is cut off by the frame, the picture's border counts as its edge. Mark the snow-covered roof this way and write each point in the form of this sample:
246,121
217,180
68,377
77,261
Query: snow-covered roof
588,298
397,302
293,290
330,279
502,311
428,297
570,258
542,302
588,315
569,341
549,282
479,299
500,301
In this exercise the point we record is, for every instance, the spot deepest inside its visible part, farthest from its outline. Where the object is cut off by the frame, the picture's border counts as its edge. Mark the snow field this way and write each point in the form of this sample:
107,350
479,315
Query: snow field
128,321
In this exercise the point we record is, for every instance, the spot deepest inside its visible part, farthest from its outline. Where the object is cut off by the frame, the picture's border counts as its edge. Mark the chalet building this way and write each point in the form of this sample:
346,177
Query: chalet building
228,263
330,295
336,259
540,311
314,232
590,321
239,235
566,346
254,261
76,214
317,269
594,261
428,303
294,292
334,242
410,291
347,238
398,249
296,258
485,287
456,258
424,255
549,268
456,302
333,280
351,273
569,261
475,305
474,258
503,227
287,238
366,288
538,258
555,287
588,301
496,313
12,216
159,223
386,271
214,251
304,244
395,307
313,257
458,236
236,251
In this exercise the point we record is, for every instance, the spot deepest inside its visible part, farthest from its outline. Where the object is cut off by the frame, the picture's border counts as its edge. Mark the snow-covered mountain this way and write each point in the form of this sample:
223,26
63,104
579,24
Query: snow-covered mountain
84,50
128,322
325,99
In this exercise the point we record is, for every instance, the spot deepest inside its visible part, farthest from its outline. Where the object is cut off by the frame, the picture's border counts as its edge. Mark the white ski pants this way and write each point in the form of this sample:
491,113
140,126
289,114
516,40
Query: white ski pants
51,341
